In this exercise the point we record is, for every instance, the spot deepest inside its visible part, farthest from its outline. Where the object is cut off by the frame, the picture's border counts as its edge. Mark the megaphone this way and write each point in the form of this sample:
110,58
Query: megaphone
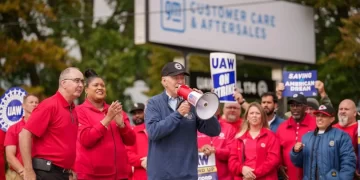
205,104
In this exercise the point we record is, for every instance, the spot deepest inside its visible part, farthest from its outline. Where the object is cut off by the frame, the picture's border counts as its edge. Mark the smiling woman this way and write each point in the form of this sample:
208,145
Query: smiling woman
104,130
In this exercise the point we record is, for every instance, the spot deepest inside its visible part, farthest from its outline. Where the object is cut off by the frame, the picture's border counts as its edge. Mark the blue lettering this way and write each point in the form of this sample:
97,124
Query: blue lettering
224,27
203,24
203,160
229,13
192,7
236,15
222,63
231,27
207,10
173,11
213,61
221,11
253,18
217,26
243,15
193,22
230,63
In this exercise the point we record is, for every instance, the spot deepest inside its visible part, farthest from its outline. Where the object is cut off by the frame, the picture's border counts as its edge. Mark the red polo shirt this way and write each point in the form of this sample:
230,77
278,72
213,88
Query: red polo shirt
290,132
12,137
2,153
138,151
54,125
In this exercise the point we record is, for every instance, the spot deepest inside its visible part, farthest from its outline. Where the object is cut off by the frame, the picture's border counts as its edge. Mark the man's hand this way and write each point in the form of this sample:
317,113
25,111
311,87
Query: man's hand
198,91
21,173
238,96
248,172
282,171
207,149
320,87
73,176
144,162
184,108
29,174
298,147
280,87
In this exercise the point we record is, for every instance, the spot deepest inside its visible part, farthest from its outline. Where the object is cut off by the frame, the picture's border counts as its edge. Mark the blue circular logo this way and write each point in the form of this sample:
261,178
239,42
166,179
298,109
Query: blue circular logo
11,110
14,110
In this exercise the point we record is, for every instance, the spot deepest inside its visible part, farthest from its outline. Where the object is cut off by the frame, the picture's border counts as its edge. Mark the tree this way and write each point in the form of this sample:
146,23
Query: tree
26,52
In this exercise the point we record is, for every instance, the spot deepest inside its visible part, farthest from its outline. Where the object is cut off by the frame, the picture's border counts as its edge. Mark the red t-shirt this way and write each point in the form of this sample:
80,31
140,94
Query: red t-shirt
54,125
353,133
12,137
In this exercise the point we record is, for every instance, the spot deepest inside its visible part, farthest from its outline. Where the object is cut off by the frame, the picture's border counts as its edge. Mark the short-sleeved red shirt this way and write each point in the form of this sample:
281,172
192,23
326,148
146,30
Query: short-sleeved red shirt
54,125
12,137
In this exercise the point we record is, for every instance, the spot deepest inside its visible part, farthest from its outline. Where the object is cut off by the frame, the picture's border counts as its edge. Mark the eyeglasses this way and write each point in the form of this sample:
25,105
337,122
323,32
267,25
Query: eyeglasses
77,80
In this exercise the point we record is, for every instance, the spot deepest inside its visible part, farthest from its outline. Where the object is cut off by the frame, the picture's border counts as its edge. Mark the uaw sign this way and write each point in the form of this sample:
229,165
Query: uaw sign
223,74
11,110
207,167
299,82
249,87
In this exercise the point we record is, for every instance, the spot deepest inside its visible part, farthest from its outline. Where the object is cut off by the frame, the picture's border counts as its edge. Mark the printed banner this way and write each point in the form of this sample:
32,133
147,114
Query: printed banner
249,87
223,74
11,110
299,82
206,167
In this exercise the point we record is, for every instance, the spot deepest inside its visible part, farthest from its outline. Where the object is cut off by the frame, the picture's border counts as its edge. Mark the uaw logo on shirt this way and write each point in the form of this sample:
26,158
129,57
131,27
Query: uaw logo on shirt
11,110
173,15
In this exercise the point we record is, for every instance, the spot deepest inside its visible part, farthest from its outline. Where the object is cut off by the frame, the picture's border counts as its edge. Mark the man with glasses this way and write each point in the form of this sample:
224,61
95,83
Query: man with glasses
48,140
291,131
231,115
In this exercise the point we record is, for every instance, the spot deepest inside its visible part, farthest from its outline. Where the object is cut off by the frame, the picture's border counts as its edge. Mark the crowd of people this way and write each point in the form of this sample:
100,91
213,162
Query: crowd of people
56,140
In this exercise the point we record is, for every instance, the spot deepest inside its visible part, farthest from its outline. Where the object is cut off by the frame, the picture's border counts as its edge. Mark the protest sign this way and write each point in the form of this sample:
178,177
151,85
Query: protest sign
206,167
299,82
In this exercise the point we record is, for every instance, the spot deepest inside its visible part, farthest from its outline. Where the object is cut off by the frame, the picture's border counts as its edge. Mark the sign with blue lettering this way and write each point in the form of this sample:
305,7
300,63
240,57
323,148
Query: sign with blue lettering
302,82
173,18
11,110
207,167
223,74
249,27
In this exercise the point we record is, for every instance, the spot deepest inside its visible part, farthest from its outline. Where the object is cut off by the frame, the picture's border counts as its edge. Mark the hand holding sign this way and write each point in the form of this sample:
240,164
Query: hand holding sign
320,87
280,87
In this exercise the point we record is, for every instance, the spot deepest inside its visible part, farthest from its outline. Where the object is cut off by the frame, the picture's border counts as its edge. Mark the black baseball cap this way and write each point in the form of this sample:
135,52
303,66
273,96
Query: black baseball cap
297,98
173,69
137,106
326,110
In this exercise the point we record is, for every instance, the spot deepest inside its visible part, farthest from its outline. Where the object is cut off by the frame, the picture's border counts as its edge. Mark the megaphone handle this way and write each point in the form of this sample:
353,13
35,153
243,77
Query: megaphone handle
179,103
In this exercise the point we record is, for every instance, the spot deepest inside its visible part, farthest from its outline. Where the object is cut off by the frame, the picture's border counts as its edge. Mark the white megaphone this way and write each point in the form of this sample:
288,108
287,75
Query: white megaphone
205,104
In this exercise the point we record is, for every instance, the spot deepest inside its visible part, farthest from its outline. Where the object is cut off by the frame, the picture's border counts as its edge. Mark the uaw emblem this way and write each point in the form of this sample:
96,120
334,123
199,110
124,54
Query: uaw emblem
262,145
11,110
331,143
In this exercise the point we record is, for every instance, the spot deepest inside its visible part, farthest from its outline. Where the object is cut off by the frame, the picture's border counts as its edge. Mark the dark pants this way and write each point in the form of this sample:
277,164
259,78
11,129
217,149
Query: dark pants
51,175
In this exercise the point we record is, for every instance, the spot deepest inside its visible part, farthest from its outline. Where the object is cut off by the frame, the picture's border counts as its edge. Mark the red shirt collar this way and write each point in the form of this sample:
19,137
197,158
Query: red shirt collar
63,101
139,128
305,122
88,104
263,132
